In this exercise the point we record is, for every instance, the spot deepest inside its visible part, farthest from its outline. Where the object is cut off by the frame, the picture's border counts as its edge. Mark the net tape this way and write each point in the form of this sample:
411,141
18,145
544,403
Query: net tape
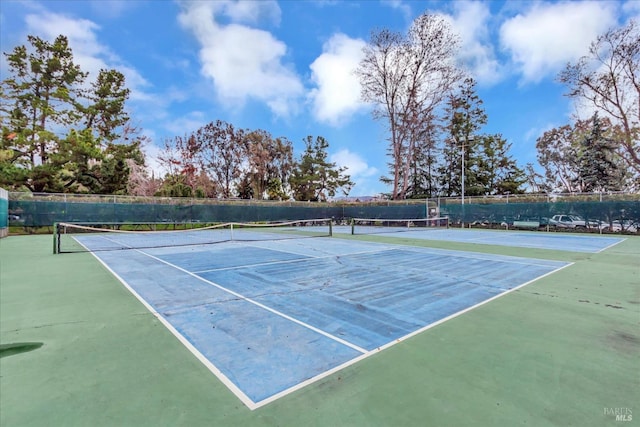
85,237
396,225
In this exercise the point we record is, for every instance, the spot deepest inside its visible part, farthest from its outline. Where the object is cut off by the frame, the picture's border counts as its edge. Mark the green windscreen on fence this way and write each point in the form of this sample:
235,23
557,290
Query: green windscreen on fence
43,212
542,214
4,212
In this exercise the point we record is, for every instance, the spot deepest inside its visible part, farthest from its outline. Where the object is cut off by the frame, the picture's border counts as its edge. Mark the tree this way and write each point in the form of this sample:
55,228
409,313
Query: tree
105,112
557,154
424,176
140,183
220,149
465,117
533,179
583,157
181,160
406,78
189,160
245,189
115,167
42,90
73,165
218,160
497,172
269,164
57,136
598,165
314,178
608,79
175,185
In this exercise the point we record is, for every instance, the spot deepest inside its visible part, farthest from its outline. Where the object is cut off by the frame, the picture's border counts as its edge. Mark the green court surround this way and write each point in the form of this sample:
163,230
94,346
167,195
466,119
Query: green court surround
561,351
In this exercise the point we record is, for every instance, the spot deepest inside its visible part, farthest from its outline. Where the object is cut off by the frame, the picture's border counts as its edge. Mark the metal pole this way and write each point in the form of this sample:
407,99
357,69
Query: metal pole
463,174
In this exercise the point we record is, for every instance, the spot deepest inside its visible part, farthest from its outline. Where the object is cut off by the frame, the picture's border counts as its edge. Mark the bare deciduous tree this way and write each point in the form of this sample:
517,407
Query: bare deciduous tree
608,78
407,78
221,151
140,184
558,155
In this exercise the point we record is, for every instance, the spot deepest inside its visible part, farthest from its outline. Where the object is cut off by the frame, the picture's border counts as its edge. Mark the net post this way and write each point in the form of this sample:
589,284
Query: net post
330,228
56,239
353,226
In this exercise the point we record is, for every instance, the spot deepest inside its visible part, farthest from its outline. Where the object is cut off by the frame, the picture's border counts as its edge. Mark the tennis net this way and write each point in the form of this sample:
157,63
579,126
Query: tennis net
93,237
386,225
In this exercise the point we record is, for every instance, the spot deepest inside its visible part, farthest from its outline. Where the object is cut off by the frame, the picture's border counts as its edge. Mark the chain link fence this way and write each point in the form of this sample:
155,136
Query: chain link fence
617,212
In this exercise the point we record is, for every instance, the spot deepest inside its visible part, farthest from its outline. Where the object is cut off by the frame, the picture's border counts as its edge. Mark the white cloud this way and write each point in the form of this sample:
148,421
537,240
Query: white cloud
337,95
356,165
181,126
152,152
471,21
243,62
249,12
359,171
581,109
542,40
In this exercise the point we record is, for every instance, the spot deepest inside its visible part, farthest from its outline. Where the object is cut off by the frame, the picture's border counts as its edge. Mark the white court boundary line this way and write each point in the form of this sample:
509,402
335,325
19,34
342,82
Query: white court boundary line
510,259
248,402
399,340
201,357
265,307
486,240
622,239
497,258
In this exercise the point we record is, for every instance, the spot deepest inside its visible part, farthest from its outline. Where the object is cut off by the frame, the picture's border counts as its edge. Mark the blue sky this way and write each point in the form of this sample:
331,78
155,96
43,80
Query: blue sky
285,66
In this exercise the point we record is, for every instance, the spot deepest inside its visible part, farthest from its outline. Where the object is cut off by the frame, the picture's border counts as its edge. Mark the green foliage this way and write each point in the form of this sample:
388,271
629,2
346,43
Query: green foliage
495,171
57,137
275,190
599,165
488,168
245,189
175,186
107,98
314,178
114,169
584,157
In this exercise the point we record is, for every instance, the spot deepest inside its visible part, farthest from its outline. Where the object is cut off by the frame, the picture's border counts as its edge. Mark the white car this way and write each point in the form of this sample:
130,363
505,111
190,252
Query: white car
571,221
618,226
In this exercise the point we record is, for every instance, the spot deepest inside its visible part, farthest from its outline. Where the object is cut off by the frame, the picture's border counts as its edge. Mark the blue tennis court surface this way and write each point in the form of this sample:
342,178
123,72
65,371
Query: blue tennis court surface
269,317
533,239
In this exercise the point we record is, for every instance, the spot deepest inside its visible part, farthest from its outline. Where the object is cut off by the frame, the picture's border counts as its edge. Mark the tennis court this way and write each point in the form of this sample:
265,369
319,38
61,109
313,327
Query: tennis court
574,242
319,330
268,313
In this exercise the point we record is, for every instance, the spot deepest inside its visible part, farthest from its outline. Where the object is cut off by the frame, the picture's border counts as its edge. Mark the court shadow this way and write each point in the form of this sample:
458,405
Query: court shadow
18,347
